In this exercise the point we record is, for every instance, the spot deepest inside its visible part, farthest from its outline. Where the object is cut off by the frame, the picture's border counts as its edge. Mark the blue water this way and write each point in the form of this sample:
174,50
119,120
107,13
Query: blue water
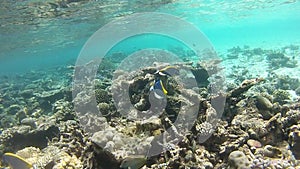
37,40
40,41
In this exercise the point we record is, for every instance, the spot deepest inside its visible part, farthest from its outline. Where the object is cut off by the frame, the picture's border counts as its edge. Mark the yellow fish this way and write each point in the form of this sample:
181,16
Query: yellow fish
16,162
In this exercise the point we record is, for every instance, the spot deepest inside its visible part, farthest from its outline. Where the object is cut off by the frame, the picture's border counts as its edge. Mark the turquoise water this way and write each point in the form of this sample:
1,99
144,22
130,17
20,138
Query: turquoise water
34,37
243,95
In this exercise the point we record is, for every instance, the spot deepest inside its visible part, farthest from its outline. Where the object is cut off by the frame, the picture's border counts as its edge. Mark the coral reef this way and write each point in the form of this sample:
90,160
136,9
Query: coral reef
294,140
56,139
258,128
278,60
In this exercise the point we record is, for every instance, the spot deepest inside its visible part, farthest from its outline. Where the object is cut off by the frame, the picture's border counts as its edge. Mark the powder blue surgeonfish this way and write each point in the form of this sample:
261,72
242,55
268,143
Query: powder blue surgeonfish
159,86
160,79
16,162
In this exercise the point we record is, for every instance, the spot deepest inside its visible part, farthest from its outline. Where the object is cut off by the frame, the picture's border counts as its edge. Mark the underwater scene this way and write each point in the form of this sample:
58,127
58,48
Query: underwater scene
149,84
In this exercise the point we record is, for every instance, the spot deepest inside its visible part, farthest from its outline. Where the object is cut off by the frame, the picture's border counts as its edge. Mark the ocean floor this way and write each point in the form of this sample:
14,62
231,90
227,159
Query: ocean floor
256,123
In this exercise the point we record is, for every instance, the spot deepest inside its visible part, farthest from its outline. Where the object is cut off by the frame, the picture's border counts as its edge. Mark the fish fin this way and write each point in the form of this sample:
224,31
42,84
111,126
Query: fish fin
170,70
163,88
16,162
162,74
166,68
152,85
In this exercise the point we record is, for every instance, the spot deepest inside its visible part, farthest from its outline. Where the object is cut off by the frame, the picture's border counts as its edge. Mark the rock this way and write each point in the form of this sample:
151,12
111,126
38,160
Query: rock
254,143
13,109
96,157
68,161
21,114
279,59
29,121
281,96
286,82
264,106
254,125
104,109
24,130
263,103
99,139
102,96
27,93
51,95
109,134
208,165
118,141
204,130
148,125
110,146
189,156
271,151
294,140
291,117
22,136
239,160
298,91
246,85
142,104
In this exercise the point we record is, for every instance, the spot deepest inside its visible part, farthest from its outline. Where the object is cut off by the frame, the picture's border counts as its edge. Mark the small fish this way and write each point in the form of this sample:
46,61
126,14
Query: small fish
159,86
168,71
16,162
133,162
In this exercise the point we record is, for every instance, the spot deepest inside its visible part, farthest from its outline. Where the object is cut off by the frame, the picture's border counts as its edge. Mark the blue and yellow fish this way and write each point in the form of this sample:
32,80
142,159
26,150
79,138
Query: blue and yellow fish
168,71
16,162
158,85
